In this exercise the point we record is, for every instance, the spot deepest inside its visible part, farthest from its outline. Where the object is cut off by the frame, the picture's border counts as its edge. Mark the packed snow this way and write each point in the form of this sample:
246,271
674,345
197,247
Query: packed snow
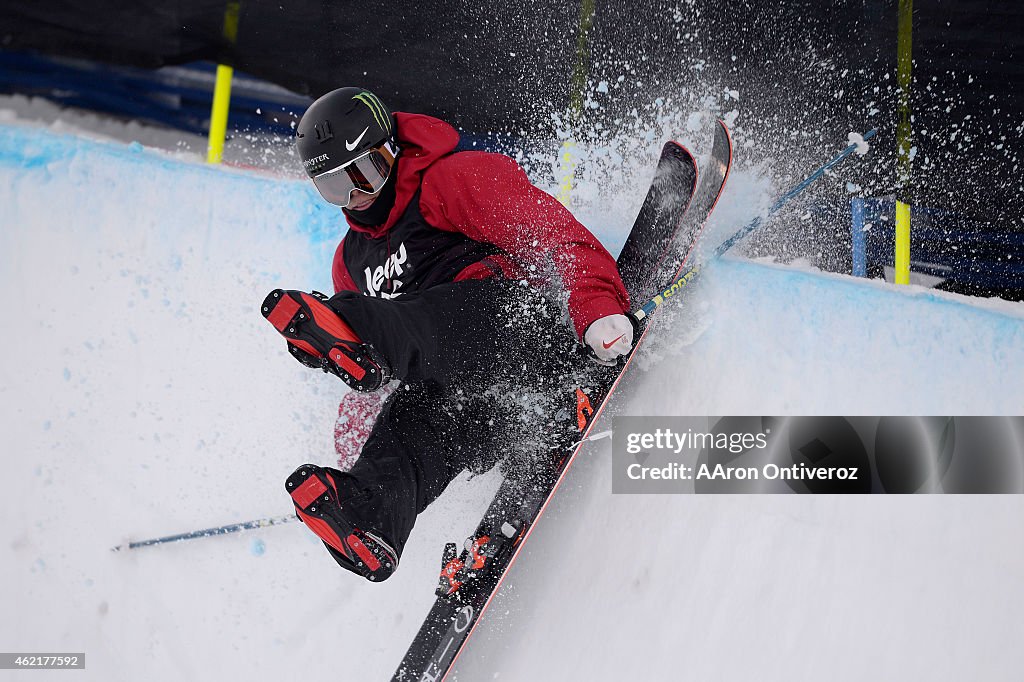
144,395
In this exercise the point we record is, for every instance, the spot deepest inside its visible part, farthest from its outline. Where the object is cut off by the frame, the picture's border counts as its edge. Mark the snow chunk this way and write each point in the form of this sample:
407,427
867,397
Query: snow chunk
858,139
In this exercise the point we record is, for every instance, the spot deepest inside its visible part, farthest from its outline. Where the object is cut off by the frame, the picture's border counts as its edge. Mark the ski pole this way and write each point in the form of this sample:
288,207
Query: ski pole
690,273
208,532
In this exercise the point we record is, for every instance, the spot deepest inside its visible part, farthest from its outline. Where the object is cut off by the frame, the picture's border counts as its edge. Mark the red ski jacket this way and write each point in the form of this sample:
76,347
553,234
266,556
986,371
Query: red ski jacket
488,199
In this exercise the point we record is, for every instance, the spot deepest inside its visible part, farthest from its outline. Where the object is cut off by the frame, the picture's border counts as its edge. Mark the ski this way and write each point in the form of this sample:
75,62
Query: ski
670,221
689,272
651,237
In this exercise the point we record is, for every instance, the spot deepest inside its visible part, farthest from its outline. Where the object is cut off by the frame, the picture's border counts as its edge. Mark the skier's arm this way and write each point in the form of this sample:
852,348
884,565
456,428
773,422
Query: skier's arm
488,198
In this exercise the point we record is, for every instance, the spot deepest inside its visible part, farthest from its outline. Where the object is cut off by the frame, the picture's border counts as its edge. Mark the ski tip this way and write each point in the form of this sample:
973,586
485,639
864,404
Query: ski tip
677,146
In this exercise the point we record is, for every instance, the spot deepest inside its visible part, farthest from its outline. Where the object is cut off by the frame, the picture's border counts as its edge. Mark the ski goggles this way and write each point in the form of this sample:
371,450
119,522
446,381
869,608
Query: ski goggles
366,173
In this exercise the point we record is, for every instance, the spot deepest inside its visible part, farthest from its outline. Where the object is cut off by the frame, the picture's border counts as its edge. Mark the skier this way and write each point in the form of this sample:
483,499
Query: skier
447,280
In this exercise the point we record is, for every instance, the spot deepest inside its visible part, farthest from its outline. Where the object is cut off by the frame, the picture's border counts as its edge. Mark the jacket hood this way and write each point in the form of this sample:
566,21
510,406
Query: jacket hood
423,140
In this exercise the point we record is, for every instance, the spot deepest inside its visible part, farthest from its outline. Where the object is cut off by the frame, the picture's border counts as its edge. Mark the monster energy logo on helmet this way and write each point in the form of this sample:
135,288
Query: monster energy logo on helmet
380,114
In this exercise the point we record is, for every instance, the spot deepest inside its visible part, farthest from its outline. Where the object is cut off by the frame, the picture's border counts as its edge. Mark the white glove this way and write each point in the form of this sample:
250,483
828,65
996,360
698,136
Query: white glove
609,337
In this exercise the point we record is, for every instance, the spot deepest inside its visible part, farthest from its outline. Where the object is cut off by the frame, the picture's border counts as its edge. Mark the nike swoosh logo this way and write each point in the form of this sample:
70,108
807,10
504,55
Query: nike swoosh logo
613,342
352,145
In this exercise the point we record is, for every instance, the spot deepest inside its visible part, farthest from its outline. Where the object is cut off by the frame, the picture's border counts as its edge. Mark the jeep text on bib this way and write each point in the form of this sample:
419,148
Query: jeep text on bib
411,256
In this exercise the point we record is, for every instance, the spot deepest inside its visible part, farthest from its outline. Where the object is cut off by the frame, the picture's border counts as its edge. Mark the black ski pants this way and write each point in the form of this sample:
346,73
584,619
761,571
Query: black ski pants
486,366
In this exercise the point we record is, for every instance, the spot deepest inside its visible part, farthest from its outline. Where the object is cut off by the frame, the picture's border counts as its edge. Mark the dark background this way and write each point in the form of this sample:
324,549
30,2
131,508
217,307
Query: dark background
808,72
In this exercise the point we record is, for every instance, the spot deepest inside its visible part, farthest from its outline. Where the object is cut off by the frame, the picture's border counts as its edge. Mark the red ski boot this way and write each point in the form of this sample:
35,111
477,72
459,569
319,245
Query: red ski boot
319,338
315,494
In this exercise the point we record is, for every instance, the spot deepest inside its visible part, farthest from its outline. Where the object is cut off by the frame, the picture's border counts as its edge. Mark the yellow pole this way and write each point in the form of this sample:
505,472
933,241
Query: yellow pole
567,164
904,62
219,114
222,91
902,264
567,156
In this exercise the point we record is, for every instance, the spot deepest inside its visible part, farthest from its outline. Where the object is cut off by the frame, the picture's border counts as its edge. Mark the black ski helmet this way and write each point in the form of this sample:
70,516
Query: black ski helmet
339,127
